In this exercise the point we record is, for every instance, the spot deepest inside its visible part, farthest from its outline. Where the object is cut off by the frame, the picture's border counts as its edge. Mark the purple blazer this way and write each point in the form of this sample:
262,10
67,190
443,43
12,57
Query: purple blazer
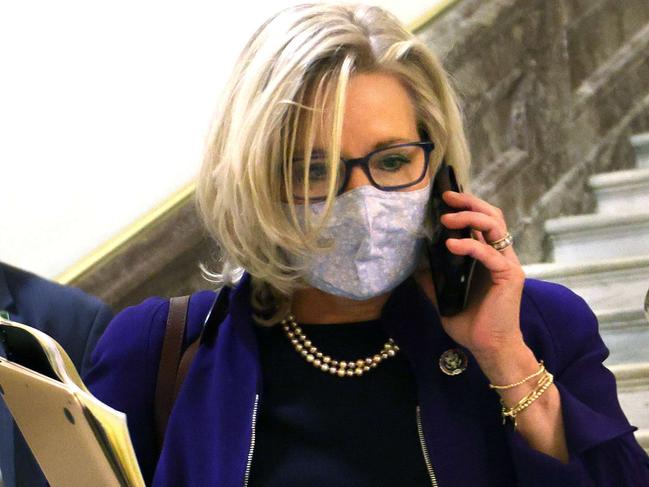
210,436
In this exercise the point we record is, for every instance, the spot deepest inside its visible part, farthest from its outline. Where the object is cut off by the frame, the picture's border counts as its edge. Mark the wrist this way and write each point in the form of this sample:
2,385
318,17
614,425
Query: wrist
508,365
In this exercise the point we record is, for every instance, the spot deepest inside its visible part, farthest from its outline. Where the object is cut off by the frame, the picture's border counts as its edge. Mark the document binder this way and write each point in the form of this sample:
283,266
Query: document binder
76,439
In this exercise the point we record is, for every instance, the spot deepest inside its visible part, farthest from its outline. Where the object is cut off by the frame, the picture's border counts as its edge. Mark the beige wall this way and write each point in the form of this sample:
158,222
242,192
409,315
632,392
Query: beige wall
105,110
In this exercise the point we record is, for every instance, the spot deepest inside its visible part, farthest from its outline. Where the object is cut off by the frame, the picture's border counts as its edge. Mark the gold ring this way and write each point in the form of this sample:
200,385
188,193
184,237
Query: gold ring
502,243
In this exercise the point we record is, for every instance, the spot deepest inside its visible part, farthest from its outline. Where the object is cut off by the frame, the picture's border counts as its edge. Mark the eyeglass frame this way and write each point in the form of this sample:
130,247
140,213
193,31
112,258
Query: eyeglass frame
364,162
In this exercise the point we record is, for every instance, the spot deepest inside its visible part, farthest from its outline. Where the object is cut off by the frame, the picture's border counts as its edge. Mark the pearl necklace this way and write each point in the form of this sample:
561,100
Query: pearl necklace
324,362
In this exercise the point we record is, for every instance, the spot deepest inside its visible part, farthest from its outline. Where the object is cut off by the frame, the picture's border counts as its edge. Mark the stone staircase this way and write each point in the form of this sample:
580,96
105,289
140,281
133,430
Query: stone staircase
604,257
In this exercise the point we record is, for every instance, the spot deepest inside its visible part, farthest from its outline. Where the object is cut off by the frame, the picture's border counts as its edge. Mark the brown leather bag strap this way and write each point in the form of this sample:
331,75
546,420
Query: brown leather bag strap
173,367
169,362
185,363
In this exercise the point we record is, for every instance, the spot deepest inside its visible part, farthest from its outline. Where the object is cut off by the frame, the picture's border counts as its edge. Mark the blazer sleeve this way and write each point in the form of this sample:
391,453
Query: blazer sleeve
124,369
603,450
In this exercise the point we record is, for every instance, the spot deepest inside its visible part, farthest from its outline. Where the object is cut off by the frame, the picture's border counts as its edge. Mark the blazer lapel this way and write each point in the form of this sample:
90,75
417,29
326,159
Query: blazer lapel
460,414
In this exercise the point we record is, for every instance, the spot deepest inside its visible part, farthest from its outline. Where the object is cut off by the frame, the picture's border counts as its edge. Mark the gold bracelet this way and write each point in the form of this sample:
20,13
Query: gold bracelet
542,385
509,386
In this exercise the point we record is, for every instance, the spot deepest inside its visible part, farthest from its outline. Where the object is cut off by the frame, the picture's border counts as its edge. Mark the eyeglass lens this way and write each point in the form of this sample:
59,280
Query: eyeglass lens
389,168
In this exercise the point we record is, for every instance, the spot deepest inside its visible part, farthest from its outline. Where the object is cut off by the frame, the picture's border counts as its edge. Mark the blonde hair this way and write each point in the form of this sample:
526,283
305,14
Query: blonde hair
292,72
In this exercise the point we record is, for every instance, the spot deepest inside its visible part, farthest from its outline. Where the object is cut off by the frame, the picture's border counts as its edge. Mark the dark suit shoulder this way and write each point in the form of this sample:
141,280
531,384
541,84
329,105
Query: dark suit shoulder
30,291
70,316
73,318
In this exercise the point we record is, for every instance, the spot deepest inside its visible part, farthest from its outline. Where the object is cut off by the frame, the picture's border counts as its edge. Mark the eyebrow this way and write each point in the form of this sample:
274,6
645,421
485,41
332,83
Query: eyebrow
379,145
388,142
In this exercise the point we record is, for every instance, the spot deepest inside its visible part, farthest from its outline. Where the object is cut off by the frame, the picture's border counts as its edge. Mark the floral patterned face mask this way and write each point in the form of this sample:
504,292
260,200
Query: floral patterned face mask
377,236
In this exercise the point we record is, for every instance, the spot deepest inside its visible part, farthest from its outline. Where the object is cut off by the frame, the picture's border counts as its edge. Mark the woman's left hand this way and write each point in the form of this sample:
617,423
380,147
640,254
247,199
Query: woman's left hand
491,323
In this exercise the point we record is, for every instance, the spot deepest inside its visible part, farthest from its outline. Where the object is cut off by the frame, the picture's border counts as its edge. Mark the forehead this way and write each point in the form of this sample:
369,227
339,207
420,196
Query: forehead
377,107
374,99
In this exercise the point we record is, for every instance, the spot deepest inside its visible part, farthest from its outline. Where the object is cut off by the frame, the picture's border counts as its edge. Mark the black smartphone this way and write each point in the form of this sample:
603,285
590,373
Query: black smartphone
452,274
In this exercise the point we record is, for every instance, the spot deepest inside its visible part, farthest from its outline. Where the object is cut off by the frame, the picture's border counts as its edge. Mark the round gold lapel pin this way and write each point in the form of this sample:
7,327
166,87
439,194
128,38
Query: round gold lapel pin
453,361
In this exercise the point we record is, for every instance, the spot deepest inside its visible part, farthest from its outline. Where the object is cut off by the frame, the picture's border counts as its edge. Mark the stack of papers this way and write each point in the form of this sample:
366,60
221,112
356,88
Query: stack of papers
77,440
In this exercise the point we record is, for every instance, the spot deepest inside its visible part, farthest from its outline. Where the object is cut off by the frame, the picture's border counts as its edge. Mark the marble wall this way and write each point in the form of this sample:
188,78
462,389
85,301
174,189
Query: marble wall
551,91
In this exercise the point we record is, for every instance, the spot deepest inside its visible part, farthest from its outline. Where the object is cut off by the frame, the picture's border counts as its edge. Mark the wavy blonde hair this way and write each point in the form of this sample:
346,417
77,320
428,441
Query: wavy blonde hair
289,82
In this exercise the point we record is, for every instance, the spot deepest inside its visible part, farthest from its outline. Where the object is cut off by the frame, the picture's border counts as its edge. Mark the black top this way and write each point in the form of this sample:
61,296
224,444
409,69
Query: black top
317,429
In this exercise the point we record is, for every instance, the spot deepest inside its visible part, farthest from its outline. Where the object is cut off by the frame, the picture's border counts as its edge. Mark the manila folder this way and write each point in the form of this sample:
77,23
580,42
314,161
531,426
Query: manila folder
76,439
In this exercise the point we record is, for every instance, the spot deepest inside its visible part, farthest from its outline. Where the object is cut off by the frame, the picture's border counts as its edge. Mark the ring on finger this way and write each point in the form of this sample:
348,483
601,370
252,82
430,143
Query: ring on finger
502,243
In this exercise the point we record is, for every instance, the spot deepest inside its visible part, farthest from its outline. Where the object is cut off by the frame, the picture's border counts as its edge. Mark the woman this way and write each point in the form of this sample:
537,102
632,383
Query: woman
333,366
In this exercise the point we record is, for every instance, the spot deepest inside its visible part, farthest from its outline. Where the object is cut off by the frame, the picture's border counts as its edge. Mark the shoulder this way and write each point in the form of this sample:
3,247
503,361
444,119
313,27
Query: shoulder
558,322
73,318
38,299
127,333
138,331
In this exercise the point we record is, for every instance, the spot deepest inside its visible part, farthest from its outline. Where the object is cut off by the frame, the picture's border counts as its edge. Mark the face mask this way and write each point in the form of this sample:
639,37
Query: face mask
376,236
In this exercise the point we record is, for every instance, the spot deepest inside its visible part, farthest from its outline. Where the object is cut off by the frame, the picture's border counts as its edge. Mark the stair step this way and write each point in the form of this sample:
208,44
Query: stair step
640,143
626,347
623,320
607,286
621,192
631,377
626,334
643,438
586,238
633,392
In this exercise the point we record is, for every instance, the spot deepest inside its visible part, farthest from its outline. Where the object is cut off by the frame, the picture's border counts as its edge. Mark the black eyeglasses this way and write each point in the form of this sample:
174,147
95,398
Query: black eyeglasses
391,168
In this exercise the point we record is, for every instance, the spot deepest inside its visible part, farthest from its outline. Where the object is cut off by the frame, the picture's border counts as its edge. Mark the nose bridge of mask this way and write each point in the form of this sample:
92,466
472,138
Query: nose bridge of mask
399,211
393,222
375,209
